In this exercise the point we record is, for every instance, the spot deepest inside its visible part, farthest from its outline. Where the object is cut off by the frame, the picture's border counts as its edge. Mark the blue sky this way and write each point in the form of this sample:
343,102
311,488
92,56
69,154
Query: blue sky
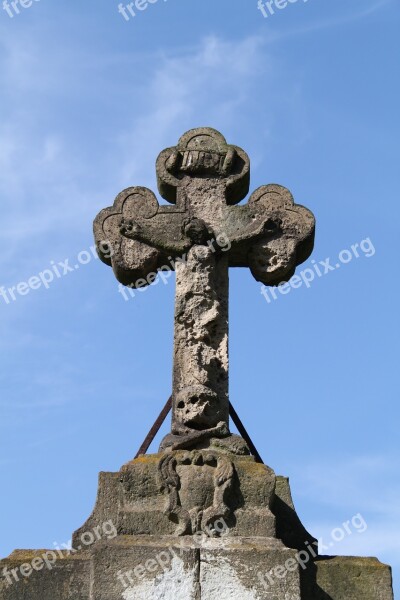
88,100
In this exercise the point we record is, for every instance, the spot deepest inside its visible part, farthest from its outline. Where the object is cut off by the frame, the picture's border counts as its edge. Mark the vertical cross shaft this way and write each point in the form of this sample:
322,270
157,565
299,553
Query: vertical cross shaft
200,377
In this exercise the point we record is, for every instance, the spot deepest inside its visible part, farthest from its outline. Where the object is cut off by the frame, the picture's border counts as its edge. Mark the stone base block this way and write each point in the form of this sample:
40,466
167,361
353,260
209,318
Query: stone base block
134,498
164,568
26,576
179,569
145,561
171,568
351,578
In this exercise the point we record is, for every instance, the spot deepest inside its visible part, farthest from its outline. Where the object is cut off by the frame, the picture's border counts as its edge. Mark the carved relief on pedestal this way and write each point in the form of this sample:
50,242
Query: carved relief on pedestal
197,485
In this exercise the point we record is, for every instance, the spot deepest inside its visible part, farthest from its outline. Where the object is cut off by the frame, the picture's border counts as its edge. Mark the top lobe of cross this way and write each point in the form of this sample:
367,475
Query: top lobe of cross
204,178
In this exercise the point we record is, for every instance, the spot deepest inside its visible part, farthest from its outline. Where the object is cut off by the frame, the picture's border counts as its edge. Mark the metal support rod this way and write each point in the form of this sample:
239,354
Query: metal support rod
243,432
164,413
154,430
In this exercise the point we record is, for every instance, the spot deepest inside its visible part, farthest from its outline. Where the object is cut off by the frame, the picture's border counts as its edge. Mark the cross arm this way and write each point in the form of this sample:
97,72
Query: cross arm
132,241
204,178
285,236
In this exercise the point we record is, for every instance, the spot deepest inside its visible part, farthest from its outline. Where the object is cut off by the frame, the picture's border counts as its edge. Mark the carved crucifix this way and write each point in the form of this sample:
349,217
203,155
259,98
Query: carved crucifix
203,234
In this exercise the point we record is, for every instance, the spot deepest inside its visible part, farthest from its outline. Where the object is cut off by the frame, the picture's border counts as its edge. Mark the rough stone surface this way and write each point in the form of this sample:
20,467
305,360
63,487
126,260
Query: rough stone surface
237,572
289,528
201,236
139,503
142,569
171,568
69,578
200,401
193,567
348,578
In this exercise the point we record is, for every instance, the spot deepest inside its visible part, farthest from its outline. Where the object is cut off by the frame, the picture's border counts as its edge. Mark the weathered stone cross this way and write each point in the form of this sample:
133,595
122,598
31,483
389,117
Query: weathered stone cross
202,235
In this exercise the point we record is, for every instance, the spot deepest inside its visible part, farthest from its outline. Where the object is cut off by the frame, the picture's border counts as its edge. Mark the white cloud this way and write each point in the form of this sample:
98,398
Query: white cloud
209,85
48,182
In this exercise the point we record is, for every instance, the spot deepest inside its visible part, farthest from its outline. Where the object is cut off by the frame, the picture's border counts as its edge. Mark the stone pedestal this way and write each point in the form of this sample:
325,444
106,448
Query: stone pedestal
137,502
245,541
182,569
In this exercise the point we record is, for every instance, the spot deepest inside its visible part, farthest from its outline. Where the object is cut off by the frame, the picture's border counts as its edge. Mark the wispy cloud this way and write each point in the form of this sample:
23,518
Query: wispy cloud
199,87
47,182
374,8
330,23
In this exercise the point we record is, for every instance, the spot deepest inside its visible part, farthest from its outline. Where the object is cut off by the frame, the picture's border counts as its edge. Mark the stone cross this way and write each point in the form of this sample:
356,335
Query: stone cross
200,236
